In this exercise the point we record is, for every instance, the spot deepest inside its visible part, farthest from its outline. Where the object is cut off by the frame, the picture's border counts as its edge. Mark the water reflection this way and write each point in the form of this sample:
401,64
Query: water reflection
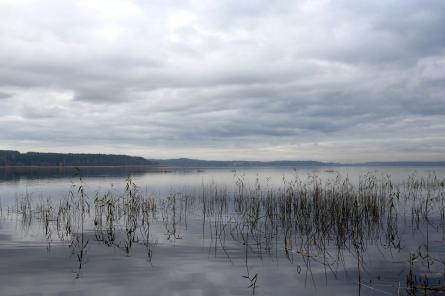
327,229
35,173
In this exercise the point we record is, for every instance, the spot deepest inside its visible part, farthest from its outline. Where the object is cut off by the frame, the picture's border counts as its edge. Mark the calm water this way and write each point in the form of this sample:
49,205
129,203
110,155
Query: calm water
191,252
55,184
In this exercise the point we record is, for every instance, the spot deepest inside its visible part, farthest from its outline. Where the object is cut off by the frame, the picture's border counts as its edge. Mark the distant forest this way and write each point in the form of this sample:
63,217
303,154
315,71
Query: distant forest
15,158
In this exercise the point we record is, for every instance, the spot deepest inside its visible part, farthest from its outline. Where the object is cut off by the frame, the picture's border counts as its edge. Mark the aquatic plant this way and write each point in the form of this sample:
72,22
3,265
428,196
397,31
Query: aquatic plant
310,222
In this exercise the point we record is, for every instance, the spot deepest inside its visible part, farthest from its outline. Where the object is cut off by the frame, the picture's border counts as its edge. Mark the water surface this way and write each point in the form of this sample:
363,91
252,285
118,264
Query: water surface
204,239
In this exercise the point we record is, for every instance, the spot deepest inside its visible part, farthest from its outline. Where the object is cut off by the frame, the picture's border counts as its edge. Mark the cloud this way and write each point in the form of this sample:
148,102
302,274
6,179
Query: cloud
321,80
4,95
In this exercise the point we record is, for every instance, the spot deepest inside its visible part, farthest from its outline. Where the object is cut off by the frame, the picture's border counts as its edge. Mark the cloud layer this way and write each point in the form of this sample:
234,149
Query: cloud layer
322,80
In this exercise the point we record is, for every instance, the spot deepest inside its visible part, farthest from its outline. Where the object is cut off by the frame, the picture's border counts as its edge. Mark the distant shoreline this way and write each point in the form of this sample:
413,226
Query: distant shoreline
80,166
192,167
15,159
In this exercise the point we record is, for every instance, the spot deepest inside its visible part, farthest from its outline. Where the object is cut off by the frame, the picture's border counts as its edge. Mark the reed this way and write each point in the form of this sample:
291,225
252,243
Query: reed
310,221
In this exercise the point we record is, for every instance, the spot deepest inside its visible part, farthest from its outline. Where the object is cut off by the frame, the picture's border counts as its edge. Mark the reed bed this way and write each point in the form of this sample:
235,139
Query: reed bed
308,221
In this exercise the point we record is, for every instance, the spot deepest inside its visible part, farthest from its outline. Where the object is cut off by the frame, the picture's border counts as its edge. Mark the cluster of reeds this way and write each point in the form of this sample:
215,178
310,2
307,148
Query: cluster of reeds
313,221
319,222
122,221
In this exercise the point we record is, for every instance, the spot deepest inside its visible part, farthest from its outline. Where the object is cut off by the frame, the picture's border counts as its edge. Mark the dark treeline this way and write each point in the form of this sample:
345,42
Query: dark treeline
15,158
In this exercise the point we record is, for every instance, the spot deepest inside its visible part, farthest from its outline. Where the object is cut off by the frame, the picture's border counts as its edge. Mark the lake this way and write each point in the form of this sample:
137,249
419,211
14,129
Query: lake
221,231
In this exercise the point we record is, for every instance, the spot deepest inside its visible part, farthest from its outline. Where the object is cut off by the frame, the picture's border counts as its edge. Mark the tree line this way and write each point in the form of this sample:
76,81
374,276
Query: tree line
15,158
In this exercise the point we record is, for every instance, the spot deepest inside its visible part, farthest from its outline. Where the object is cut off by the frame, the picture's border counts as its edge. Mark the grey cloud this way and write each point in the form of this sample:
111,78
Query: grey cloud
228,75
104,94
4,95
392,32
41,112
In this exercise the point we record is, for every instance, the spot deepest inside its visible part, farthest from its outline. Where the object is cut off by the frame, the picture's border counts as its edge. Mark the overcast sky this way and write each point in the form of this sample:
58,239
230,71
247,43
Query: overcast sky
253,79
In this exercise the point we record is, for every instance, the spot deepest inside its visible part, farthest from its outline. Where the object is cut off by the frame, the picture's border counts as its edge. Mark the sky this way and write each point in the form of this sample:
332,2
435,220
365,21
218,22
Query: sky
257,80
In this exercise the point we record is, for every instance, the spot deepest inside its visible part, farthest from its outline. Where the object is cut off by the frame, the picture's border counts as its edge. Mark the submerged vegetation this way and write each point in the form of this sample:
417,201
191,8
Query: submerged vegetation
313,222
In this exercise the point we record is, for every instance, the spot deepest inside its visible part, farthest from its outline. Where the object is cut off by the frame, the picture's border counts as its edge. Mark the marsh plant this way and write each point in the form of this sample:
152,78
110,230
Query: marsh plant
311,222
81,207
